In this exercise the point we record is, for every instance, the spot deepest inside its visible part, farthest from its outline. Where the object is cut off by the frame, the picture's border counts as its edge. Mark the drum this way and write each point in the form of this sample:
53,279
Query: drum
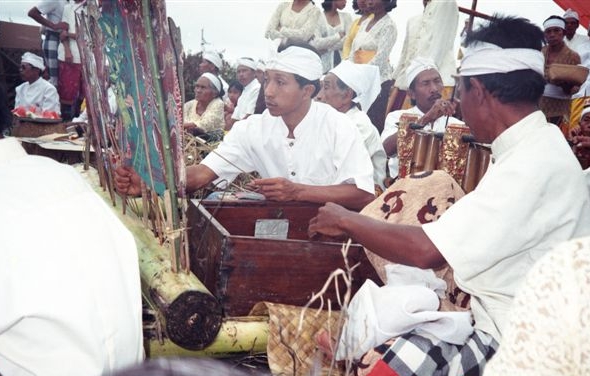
453,154
425,155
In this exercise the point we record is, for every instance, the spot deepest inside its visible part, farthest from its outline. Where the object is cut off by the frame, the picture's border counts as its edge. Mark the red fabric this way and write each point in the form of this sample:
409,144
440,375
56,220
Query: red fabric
580,6
69,82
382,369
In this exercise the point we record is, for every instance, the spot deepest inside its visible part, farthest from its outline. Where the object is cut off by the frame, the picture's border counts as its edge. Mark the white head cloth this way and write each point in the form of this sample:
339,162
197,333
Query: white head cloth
261,65
585,111
553,22
214,58
296,60
485,58
364,79
213,79
417,66
34,60
247,62
570,13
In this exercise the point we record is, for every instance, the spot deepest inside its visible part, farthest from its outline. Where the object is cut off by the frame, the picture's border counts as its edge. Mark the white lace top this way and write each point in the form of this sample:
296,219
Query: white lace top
549,328
288,24
380,39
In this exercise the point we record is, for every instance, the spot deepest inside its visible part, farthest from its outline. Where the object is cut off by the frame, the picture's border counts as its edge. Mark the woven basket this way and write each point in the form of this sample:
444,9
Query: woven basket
293,352
36,129
575,74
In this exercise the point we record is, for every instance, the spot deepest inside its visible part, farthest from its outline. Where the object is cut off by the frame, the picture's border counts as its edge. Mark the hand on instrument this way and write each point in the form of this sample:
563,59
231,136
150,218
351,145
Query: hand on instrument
327,221
277,189
440,108
127,181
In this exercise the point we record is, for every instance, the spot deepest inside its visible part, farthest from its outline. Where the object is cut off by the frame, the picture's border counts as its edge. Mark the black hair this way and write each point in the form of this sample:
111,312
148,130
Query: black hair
510,32
327,4
390,5
302,81
343,86
355,7
235,84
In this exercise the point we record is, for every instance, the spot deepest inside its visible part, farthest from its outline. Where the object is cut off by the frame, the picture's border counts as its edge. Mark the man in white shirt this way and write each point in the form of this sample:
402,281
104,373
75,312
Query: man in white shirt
425,89
347,87
35,91
70,293
532,197
304,150
575,41
246,75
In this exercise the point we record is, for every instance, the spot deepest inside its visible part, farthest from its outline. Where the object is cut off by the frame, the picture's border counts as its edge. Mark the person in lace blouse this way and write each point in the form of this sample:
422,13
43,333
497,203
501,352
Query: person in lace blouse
550,321
205,113
331,33
372,45
295,21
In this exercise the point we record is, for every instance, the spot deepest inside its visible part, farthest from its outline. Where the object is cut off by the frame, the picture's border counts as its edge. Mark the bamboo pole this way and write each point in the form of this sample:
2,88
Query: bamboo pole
238,335
191,315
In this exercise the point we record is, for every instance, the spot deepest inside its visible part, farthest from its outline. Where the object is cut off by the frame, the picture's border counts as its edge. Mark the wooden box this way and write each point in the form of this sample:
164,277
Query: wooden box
241,269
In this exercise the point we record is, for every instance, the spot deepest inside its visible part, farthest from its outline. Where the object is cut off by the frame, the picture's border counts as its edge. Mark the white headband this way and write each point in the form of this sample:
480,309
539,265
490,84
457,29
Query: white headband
364,79
485,58
553,22
296,60
570,13
34,60
247,63
417,66
214,58
585,111
213,79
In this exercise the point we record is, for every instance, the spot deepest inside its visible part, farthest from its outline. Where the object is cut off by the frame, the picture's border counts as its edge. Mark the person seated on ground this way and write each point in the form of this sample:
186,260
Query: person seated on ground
211,62
347,87
581,141
203,116
234,91
425,90
69,275
304,150
246,75
35,91
528,201
549,322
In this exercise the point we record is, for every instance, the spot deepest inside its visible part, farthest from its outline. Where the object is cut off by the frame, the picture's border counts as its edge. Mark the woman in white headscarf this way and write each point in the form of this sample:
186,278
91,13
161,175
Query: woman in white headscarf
204,114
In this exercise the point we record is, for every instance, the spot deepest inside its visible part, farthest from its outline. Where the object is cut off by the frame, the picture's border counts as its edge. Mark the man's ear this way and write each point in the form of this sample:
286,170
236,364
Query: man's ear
412,94
309,90
478,91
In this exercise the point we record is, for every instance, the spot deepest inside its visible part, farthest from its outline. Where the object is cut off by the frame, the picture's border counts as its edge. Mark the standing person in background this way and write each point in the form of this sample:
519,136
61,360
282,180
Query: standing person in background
348,87
331,33
246,74
70,68
372,45
572,39
427,39
52,27
555,102
360,8
295,21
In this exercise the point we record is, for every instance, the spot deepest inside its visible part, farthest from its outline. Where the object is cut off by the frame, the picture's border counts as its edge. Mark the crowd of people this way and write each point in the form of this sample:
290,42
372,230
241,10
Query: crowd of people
318,121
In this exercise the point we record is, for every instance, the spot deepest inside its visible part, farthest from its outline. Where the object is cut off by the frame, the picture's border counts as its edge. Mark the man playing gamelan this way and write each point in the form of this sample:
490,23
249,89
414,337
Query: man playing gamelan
347,87
304,150
425,90
528,201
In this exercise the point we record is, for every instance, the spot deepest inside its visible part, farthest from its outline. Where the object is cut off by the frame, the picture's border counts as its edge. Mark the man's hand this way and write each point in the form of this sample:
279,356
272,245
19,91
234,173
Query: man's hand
276,189
127,181
61,26
440,108
327,222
